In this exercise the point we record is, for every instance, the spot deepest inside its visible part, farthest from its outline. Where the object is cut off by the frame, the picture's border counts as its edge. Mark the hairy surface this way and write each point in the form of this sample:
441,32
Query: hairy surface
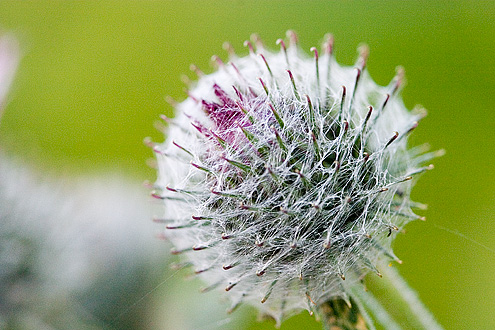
285,177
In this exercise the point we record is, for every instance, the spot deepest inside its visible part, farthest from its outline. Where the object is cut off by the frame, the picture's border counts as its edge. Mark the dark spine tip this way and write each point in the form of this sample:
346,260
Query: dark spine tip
308,100
199,271
396,135
156,195
199,247
387,97
413,127
315,51
370,110
230,287
290,75
195,165
238,93
264,86
358,75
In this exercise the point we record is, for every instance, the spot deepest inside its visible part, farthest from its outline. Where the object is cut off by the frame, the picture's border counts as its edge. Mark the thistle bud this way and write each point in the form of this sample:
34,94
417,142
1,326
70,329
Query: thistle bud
285,177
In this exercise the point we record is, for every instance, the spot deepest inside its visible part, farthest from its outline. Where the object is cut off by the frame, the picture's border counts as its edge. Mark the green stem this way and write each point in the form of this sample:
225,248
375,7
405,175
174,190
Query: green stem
401,307
422,315
371,304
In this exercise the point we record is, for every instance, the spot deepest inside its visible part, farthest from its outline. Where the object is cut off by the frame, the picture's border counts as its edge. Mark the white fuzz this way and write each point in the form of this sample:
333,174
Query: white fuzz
285,177
62,245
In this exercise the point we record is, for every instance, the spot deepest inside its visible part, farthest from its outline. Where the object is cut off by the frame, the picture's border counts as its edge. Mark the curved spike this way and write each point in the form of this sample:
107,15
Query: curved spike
269,292
266,64
296,94
277,117
182,148
264,86
216,59
356,84
281,42
230,286
284,49
396,135
249,45
342,102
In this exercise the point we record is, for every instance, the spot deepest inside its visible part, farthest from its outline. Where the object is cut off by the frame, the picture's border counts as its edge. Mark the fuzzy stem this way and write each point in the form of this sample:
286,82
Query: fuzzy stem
422,315
336,314
373,305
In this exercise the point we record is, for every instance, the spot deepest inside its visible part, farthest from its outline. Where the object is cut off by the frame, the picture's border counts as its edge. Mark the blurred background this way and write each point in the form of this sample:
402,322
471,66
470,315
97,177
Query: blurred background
92,82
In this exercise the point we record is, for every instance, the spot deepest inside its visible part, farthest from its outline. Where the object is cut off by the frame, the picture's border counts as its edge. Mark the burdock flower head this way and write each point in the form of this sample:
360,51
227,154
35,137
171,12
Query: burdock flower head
285,177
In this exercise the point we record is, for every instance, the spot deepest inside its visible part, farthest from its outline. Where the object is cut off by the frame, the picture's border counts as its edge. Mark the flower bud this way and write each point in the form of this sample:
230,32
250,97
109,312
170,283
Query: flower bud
285,177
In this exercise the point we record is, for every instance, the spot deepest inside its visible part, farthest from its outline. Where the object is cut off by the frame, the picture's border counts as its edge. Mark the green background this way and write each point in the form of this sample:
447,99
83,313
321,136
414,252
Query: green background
93,78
